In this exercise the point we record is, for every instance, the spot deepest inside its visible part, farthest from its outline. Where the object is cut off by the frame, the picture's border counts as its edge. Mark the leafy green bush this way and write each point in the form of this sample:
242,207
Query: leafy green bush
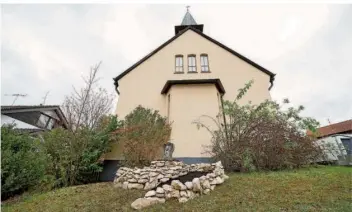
145,132
261,137
75,155
23,163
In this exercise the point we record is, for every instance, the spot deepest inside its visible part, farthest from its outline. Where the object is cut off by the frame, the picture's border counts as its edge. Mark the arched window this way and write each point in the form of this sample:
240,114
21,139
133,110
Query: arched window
192,65
179,64
204,63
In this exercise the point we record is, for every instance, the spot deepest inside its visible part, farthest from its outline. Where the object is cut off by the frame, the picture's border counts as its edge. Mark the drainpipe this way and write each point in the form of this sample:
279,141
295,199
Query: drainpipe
116,86
272,78
223,115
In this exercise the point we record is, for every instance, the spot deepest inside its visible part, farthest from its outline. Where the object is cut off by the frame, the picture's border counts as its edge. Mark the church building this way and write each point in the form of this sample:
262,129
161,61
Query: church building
184,78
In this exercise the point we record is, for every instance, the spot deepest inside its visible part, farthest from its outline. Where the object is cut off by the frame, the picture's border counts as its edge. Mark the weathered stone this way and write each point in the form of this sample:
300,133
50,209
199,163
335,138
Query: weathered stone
196,185
167,188
183,173
175,167
190,194
125,185
202,178
212,187
160,195
206,184
132,180
225,177
167,175
118,185
160,164
150,185
176,184
142,181
137,171
175,193
183,194
169,172
153,174
189,185
135,186
183,199
163,180
160,190
145,202
150,193
160,176
211,175
144,176
175,176
206,191
218,180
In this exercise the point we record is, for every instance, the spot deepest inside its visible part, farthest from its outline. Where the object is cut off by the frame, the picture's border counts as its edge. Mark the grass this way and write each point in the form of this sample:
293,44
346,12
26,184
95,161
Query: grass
309,189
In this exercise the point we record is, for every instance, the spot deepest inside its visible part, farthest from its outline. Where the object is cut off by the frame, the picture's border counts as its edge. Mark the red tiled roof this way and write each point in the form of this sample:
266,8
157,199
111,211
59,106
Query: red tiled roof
341,127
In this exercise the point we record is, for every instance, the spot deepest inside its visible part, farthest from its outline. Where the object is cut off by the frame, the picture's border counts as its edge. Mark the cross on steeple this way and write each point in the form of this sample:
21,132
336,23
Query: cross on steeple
188,8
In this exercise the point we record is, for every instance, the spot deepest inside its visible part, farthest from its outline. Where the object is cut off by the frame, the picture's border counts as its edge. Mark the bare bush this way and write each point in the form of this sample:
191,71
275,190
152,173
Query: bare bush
86,106
261,137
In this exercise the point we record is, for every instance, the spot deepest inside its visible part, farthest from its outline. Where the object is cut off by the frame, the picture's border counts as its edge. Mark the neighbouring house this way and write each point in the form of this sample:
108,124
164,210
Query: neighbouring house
33,118
336,142
184,78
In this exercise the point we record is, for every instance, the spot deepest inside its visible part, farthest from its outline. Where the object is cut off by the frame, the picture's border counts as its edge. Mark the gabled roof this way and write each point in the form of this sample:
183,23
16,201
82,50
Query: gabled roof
341,127
7,109
272,75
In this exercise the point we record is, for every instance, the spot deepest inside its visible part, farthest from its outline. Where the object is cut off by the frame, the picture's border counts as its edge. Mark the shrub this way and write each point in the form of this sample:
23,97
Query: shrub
75,155
145,133
23,162
261,137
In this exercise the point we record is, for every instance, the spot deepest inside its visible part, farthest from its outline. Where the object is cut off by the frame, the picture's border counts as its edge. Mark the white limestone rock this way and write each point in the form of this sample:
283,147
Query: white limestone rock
142,181
141,203
183,194
176,184
206,184
196,185
167,188
125,185
163,180
206,191
160,190
189,185
182,199
150,185
150,193
135,186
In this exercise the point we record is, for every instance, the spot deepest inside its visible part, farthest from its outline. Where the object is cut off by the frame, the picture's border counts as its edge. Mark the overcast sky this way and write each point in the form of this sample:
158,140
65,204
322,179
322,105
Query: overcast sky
309,47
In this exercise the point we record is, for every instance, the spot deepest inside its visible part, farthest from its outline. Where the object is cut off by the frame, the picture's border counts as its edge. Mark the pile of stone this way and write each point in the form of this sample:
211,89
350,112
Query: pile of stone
161,172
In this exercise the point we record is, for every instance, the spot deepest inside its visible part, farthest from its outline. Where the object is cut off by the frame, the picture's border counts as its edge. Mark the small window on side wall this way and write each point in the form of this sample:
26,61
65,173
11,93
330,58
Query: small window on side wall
204,63
192,67
179,64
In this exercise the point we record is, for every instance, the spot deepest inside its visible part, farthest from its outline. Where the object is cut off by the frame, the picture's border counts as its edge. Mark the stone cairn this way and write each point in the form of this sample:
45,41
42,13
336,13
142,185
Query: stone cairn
161,172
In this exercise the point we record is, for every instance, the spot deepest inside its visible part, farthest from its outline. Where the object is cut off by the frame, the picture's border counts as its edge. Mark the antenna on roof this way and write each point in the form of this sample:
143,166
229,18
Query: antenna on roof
16,95
44,98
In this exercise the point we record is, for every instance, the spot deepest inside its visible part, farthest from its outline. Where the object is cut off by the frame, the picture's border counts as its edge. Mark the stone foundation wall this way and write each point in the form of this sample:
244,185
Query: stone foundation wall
164,172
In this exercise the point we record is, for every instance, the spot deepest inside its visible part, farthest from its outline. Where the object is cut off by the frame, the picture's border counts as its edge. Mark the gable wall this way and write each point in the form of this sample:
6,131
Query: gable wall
143,84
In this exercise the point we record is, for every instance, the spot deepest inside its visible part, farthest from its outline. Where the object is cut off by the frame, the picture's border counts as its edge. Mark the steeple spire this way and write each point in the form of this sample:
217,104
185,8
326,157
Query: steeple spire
188,20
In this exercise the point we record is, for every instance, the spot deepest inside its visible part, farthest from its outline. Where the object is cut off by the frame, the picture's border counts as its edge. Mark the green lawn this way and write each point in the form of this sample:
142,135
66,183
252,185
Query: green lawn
309,189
